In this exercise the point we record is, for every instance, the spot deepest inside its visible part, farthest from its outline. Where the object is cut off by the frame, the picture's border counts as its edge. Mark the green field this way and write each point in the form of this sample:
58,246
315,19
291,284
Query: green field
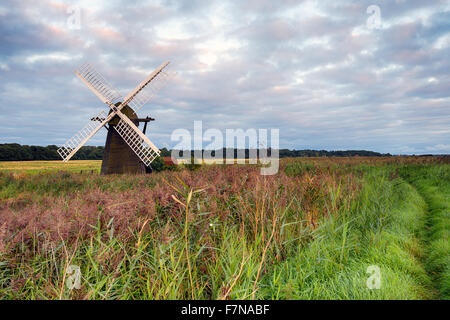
322,228
33,167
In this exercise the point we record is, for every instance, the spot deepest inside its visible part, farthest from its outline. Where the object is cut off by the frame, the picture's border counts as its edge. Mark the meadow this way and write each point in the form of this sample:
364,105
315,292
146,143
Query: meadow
322,228
35,167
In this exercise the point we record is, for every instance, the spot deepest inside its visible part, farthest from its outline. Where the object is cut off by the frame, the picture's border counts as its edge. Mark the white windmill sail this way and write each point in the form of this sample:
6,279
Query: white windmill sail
72,145
106,93
148,87
98,84
136,140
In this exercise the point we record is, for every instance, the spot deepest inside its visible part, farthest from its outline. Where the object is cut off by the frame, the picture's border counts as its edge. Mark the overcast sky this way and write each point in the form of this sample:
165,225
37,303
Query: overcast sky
329,74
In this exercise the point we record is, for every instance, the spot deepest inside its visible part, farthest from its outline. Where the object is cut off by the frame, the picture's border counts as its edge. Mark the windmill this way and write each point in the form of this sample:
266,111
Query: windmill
127,149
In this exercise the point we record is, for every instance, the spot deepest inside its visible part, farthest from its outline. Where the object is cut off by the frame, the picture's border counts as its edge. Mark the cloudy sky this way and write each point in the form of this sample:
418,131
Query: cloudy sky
329,74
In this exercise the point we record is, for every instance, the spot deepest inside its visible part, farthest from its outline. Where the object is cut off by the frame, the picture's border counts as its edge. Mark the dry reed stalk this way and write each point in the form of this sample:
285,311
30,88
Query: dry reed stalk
186,241
138,244
236,277
242,265
274,219
68,261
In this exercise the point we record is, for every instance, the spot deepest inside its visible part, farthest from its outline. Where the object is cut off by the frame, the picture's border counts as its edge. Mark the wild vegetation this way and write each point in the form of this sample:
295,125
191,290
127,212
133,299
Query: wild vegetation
226,232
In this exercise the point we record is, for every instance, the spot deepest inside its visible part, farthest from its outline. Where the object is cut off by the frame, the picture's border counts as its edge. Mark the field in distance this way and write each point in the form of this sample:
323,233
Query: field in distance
50,166
76,166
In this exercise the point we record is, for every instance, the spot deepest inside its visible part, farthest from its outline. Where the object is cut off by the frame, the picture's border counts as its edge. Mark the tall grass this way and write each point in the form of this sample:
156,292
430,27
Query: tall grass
379,229
433,183
219,232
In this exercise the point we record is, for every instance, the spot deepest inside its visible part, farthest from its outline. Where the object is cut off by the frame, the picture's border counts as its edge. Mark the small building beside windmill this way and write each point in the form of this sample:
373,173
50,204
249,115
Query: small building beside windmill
168,161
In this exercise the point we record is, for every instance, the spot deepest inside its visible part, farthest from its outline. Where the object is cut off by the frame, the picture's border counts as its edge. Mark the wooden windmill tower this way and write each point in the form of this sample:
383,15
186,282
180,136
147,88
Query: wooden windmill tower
127,149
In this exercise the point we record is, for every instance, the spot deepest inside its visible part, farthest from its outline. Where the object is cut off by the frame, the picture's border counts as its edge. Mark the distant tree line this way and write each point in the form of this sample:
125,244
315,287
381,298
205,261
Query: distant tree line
285,153
17,152
324,153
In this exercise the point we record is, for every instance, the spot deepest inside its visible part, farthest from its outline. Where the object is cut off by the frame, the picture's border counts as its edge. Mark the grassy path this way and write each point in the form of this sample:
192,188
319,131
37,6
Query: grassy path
382,231
433,184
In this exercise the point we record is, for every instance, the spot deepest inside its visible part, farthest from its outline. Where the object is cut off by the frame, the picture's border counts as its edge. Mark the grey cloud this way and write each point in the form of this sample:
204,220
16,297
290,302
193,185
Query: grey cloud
321,77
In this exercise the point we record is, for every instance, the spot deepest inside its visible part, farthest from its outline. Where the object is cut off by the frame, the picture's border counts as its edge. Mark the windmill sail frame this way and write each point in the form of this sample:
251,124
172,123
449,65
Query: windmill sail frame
135,139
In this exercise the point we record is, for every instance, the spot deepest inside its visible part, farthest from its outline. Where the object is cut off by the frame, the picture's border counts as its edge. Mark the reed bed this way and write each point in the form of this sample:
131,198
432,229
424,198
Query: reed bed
213,232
